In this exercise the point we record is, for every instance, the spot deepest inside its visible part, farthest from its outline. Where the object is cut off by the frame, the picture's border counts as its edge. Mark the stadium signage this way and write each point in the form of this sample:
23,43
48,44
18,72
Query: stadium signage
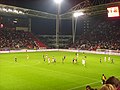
113,11
99,51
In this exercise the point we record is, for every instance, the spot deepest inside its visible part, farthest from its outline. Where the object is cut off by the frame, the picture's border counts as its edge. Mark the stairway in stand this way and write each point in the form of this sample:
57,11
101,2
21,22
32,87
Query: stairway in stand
37,41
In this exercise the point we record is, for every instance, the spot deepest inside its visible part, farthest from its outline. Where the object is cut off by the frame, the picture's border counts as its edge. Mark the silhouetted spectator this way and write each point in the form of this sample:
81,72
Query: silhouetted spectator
114,81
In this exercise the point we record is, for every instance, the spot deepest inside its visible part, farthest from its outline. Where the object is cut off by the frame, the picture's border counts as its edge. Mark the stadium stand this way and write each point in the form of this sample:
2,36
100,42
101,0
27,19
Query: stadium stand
50,40
13,39
37,41
105,35
14,34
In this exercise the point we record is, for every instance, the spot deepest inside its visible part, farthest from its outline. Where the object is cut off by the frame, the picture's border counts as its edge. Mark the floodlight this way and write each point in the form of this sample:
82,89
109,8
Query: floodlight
4,9
10,10
77,14
58,1
15,11
20,12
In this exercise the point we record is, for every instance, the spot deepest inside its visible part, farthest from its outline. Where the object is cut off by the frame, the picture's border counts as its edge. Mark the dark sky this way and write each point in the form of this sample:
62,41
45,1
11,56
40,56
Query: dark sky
42,5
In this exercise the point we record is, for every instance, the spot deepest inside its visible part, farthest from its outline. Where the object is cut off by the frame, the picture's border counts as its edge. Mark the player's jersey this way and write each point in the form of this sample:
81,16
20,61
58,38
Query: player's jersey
104,78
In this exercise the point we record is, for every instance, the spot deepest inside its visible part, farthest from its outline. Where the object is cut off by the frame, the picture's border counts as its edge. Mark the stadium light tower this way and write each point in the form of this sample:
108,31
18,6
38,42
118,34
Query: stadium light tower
74,23
58,2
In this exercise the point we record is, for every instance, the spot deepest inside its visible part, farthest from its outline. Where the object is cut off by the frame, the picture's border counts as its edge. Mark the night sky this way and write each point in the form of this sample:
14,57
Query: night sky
42,5
45,26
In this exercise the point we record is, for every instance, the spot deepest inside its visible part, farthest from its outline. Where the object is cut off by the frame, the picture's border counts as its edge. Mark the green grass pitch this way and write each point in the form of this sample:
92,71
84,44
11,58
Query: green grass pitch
35,74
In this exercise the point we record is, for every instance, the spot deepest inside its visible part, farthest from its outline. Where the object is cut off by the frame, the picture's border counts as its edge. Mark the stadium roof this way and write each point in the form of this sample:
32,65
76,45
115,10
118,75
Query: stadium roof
12,10
89,9
85,7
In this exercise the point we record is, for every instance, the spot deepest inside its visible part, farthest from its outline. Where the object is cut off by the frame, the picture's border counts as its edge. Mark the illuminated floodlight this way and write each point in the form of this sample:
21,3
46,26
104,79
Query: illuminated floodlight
77,14
10,10
20,12
4,9
58,1
15,11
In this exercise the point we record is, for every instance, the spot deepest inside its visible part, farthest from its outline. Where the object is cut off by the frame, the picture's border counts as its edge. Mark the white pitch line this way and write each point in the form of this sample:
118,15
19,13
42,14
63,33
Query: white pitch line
53,70
84,85
65,73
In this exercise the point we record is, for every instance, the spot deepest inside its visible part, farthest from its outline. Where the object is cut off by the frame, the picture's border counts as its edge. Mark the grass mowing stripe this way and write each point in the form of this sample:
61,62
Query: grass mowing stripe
54,71
87,84
34,74
64,73
19,63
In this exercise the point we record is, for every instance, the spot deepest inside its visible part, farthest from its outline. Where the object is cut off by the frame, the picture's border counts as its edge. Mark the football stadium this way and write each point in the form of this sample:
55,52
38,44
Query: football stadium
76,49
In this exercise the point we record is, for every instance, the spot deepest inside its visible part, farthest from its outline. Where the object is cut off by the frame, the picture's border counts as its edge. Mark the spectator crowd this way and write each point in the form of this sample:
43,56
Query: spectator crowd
106,35
16,39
